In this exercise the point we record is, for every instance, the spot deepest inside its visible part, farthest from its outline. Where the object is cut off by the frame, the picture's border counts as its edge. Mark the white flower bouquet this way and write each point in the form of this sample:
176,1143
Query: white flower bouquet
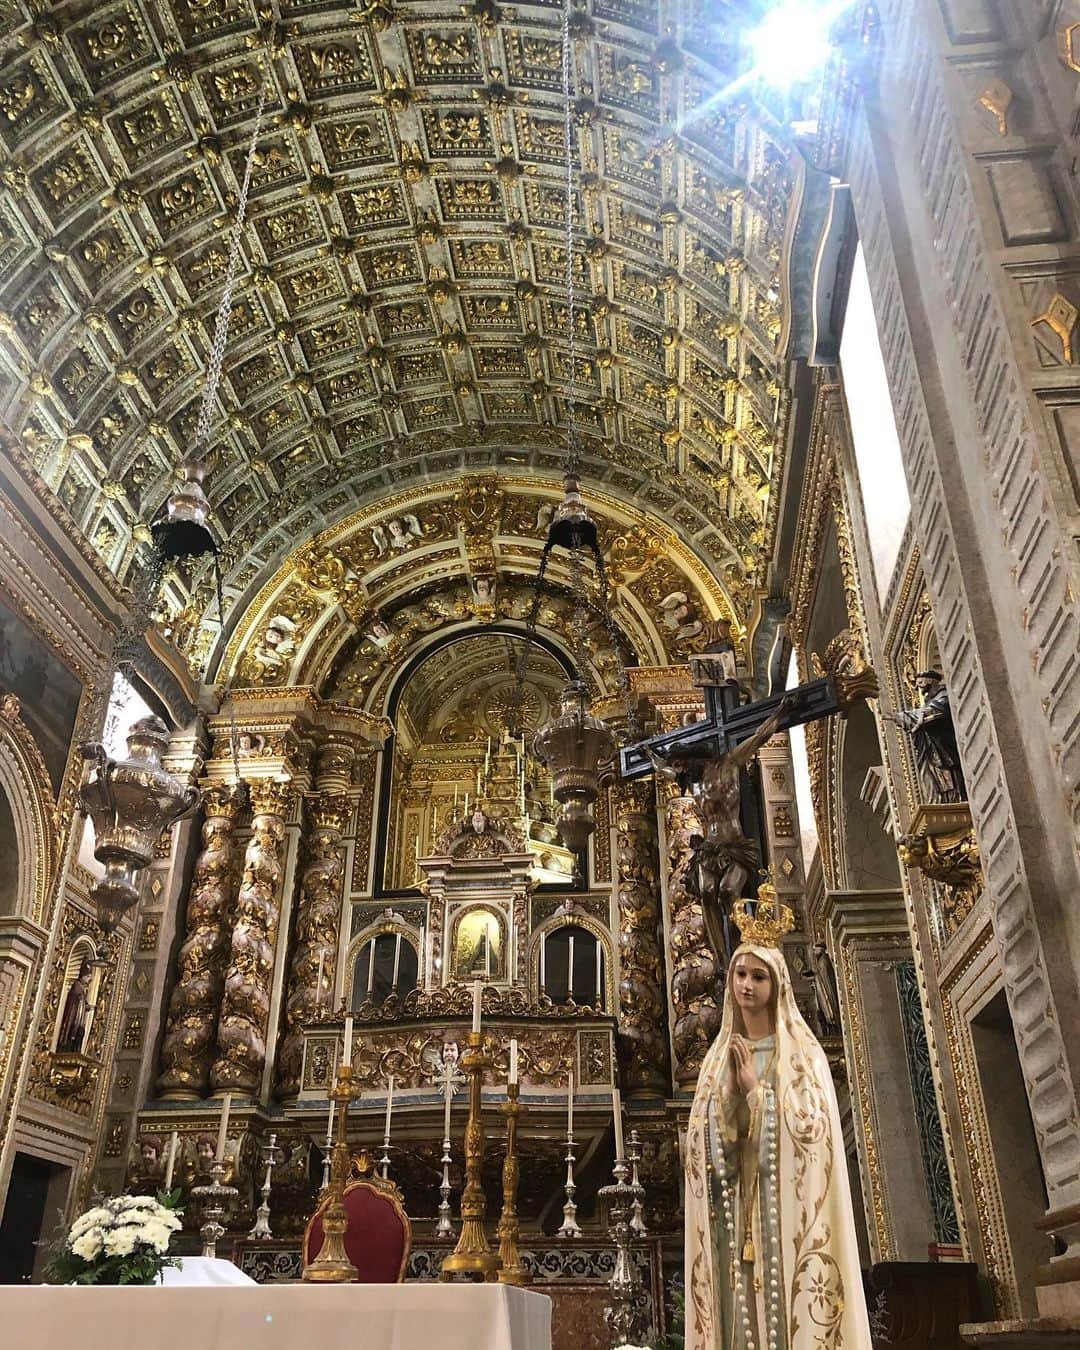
124,1240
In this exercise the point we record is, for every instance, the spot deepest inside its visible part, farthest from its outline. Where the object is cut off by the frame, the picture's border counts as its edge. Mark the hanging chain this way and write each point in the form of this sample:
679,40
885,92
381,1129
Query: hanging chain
568,113
221,328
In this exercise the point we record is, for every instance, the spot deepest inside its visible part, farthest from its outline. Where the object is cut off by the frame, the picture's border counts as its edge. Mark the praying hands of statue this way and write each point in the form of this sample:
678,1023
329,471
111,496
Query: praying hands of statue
742,1076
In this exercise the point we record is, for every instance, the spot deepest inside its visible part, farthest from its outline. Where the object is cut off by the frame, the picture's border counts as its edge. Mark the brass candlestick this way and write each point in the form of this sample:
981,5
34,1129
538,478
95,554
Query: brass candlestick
513,1272
473,1256
332,1265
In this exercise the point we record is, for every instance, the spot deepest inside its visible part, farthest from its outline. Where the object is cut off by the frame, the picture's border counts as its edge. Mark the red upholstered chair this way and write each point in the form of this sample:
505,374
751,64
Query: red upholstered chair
378,1236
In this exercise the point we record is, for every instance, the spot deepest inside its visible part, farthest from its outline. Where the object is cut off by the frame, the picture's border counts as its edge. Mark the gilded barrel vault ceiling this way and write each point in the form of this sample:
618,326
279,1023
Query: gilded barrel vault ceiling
401,315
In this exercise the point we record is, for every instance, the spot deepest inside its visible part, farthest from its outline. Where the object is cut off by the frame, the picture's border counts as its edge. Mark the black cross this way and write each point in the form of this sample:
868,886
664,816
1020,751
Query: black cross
728,722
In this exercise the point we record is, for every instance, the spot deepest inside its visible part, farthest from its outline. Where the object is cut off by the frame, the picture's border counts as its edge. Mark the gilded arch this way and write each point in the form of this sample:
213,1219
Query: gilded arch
25,780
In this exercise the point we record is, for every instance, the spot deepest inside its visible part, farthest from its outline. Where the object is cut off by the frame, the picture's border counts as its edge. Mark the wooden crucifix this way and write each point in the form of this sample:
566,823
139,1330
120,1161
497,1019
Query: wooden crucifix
707,758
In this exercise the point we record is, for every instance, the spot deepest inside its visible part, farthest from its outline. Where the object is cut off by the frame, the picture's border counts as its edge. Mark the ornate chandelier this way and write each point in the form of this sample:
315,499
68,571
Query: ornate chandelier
132,801
577,748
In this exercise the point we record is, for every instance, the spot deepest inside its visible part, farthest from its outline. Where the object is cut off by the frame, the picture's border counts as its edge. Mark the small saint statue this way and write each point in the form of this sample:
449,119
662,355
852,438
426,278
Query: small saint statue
931,728
72,1034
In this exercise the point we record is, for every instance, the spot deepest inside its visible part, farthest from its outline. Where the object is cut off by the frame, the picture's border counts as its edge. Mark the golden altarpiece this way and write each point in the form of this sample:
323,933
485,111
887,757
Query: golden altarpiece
394,402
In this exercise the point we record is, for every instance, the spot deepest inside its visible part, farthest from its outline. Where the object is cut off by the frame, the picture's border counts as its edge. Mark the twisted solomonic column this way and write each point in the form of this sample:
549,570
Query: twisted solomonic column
317,918
643,1038
188,1045
245,1005
693,966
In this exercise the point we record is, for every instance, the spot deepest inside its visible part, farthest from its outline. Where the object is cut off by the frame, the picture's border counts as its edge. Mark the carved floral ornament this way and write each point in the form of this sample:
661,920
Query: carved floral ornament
369,565
404,296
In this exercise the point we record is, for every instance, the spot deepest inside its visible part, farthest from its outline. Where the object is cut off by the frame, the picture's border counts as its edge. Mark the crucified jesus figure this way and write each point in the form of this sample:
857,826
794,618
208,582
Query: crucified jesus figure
724,858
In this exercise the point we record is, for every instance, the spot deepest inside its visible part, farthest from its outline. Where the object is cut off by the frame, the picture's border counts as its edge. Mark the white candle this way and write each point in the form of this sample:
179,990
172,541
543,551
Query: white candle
599,975
455,796
371,966
223,1128
421,960
330,1124
616,1111
466,803
477,995
448,1093
397,962
174,1139
429,952
487,954
389,1105
318,978
346,1057
513,1061
570,1106
543,960
570,968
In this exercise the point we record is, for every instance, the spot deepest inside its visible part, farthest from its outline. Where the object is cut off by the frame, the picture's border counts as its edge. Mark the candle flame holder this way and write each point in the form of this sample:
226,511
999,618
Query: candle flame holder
473,1256
624,1316
637,1216
332,1265
216,1200
262,1214
513,1270
445,1228
570,1228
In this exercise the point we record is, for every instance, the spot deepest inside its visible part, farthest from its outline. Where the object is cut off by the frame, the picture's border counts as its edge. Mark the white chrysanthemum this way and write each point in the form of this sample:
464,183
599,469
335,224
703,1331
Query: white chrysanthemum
156,1235
120,1242
91,1219
88,1247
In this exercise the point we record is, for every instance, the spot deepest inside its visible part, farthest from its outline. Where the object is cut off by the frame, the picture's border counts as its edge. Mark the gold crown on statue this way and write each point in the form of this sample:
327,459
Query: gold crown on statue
770,920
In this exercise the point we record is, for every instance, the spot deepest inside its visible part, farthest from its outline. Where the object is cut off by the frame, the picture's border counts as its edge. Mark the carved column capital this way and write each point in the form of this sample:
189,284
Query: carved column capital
329,810
223,801
272,797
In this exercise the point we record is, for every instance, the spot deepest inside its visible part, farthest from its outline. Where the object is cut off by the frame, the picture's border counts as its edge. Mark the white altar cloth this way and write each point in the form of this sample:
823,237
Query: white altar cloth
275,1317
204,1271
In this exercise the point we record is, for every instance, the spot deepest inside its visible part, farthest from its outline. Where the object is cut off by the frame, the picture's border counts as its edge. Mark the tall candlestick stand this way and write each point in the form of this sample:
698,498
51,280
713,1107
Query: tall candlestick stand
332,1265
216,1200
473,1256
624,1316
569,1228
444,1228
262,1214
327,1154
637,1216
384,1161
513,1271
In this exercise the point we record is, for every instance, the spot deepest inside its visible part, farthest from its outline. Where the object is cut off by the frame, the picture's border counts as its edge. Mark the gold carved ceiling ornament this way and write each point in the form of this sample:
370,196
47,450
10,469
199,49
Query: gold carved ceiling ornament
415,563
401,309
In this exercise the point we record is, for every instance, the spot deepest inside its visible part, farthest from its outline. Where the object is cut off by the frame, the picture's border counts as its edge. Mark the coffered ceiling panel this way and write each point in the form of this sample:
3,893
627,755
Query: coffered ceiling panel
401,312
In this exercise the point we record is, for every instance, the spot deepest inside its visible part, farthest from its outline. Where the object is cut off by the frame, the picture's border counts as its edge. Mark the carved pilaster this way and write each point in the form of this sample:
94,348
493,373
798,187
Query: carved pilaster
643,1042
188,1045
317,918
245,1005
693,966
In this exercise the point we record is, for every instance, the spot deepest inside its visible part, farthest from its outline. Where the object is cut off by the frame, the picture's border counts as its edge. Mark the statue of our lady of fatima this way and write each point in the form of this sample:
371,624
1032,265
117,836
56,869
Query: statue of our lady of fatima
771,1257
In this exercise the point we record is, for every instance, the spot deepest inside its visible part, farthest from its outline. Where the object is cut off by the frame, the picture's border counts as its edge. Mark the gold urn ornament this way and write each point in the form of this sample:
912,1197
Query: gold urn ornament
130,801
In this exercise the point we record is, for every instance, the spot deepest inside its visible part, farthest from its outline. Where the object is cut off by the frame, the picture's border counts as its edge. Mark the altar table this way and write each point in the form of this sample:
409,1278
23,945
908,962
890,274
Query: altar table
410,1316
